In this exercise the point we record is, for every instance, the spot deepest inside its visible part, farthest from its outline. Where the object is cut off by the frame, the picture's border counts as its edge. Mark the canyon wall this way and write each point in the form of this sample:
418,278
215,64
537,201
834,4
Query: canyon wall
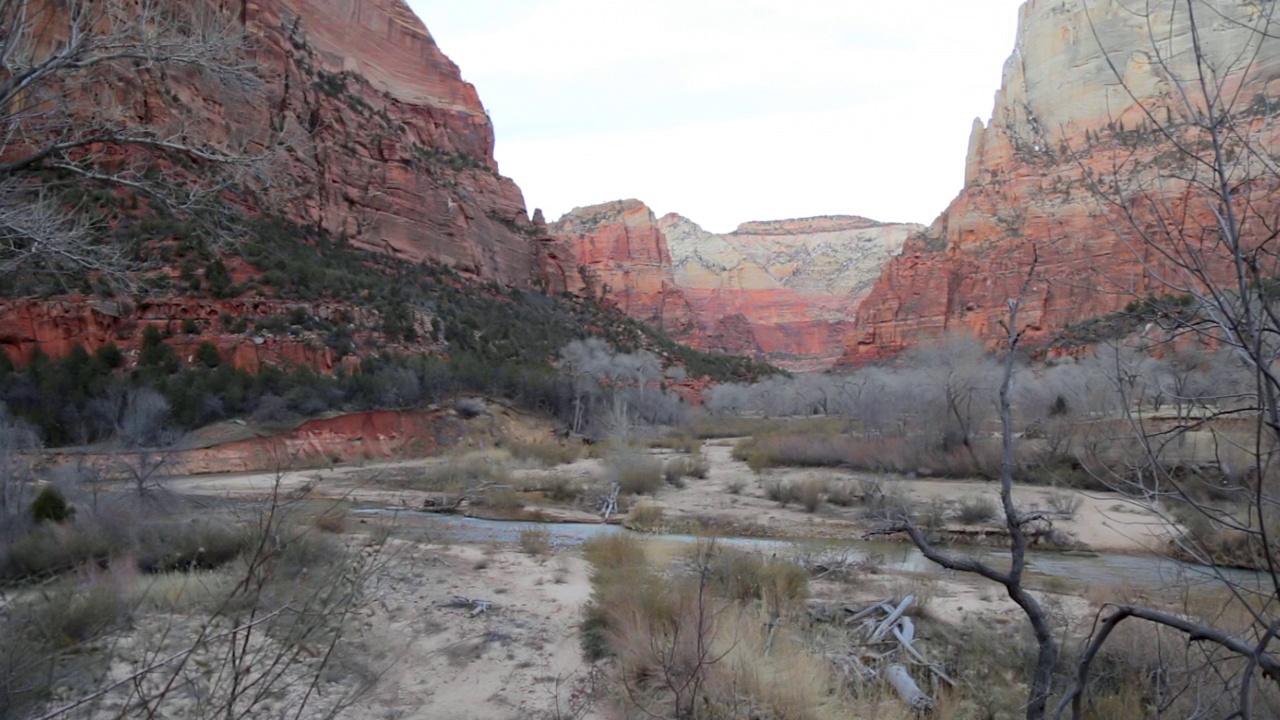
615,251
783,291
1073,170
351,122
390,147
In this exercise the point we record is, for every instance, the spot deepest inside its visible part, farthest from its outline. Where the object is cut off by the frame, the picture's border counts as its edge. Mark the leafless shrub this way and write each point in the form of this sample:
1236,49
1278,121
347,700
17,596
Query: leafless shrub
634,472
976,510
809,494
645,517
1064,504
549,454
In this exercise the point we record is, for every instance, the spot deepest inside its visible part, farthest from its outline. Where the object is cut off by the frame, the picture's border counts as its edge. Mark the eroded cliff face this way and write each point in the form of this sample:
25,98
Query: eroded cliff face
356,126
785,290
393,149
1064,127
615,251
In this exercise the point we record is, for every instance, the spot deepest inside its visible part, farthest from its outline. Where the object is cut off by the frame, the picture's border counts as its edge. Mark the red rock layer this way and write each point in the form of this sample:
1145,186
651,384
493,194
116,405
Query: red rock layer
396,154
1061,124
782,290
616,252
54,327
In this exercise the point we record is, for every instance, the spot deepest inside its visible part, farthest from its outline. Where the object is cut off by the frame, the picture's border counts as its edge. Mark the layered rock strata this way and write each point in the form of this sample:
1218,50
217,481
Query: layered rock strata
1073,169
784,291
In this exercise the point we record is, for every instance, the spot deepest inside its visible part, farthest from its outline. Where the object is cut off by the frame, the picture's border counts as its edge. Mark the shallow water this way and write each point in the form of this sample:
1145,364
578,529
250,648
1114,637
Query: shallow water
1138,571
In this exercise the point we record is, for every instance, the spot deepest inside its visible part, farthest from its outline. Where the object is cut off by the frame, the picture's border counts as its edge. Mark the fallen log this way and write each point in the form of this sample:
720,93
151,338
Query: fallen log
906,687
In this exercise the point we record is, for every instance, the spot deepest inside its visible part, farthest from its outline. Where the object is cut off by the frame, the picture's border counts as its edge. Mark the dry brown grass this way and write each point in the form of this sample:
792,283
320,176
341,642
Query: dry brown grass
535,540
645,517
668,631
683,441
547,454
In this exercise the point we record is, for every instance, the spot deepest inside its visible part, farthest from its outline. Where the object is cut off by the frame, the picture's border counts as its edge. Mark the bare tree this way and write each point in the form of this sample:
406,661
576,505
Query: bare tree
17,441
145,435
73,76
1203,224
1017,522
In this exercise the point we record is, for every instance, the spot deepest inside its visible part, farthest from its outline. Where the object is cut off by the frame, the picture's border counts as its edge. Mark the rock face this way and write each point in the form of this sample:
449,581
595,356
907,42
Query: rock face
784,291
394,151
364,130
616,251
1062,121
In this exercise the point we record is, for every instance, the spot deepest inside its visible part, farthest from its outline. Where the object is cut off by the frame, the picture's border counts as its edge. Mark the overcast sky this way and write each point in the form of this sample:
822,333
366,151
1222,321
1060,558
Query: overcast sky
732,110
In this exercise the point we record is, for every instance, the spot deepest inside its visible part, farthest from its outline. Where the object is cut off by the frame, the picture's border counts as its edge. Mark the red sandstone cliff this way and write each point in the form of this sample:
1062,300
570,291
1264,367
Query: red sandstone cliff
394,149
616,251
364,130
1061,123
784,291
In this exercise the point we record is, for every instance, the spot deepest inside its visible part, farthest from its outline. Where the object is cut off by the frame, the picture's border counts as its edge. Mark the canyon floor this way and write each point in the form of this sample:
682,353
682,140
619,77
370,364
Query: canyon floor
522,657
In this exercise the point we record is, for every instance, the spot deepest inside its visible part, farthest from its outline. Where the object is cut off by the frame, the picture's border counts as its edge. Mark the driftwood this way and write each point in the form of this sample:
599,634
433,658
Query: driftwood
477,605
907,688
611,502
888,645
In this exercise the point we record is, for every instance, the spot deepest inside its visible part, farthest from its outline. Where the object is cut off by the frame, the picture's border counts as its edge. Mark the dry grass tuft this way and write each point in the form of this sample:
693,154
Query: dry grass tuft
976,510
535,540
746,576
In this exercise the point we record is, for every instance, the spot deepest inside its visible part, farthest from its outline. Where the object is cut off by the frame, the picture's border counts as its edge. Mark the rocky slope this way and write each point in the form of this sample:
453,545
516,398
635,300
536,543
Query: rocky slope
784,291
1061,123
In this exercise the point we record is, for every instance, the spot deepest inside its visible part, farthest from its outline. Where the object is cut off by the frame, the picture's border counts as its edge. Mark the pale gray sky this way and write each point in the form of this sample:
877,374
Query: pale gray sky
732,110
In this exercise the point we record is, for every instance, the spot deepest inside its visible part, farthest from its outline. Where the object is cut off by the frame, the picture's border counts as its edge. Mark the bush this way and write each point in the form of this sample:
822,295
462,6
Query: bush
51,506
1064,504
462,472
634,472
683,441
779,492
676,470
561,489
736,486
809,494
841,493
535,540
645,517
881,501
469,407
976,510
614,551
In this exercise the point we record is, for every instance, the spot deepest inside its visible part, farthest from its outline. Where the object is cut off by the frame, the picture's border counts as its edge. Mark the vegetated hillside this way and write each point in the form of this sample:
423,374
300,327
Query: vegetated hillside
395,334
343,118
1072,173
